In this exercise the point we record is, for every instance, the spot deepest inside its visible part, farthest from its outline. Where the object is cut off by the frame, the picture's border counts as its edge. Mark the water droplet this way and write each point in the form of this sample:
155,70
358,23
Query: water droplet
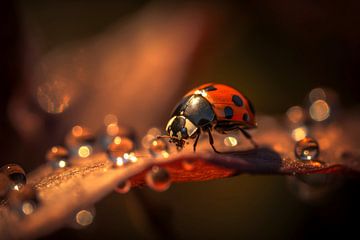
16,175
159,148
80,141
25,201
158,179
123,186
58,157
230,141
307,149
113,130
118,150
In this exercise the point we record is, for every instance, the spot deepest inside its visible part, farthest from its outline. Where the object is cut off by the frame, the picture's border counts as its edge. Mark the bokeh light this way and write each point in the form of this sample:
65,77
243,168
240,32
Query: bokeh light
319,110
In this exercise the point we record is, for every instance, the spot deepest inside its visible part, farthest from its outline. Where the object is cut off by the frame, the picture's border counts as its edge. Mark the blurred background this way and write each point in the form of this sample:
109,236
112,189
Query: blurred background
72,62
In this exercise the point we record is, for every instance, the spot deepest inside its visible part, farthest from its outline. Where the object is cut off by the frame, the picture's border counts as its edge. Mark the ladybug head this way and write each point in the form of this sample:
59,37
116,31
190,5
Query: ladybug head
179,128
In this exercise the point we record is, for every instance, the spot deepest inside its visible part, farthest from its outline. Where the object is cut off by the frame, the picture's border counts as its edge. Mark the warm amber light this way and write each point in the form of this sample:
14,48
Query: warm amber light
165,154
230,141
299,133
130,156
112,129
54,149
62,164
117,140
319,110
84,151
27,208
77,131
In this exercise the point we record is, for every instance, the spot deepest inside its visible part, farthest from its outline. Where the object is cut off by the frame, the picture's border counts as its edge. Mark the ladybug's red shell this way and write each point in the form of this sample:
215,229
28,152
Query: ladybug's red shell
228,104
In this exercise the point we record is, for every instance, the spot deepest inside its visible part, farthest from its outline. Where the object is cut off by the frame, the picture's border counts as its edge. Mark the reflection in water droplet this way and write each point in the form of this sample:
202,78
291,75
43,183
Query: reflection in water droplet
118,150
54,96
123,187
25,201
295,114
58,157
307,149
319,110
299,133
84,217
230,141
158,179
16,175
159,147
80,141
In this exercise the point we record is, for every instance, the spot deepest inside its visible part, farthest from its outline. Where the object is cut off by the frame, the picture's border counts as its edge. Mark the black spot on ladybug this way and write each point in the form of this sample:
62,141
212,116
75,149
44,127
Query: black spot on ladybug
246,117
251,106
209,88
228,112
237,100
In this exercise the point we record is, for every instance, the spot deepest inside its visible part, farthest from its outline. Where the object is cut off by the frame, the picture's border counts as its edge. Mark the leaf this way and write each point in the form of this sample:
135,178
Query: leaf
63,192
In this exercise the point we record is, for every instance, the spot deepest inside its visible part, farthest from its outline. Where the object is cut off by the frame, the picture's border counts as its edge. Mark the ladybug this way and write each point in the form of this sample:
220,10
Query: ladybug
210,107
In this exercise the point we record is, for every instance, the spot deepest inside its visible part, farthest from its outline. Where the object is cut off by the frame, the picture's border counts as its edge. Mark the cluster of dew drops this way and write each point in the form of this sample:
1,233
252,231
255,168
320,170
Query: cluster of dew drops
117,142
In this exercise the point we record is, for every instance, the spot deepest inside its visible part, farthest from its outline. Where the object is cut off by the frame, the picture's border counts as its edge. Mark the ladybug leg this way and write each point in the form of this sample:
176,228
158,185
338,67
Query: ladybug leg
211,140
196,141
248,136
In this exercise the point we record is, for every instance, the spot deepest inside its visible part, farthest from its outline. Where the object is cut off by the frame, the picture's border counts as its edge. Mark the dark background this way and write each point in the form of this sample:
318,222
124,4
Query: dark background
275,51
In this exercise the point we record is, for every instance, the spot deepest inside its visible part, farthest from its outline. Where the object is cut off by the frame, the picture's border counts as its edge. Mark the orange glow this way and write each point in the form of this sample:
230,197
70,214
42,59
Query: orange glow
299,133
112,129
77,131
117,140
54,149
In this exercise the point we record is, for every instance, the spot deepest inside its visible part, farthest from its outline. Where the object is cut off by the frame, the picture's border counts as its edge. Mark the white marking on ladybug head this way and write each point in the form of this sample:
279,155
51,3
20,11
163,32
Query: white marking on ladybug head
191,128
169,124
